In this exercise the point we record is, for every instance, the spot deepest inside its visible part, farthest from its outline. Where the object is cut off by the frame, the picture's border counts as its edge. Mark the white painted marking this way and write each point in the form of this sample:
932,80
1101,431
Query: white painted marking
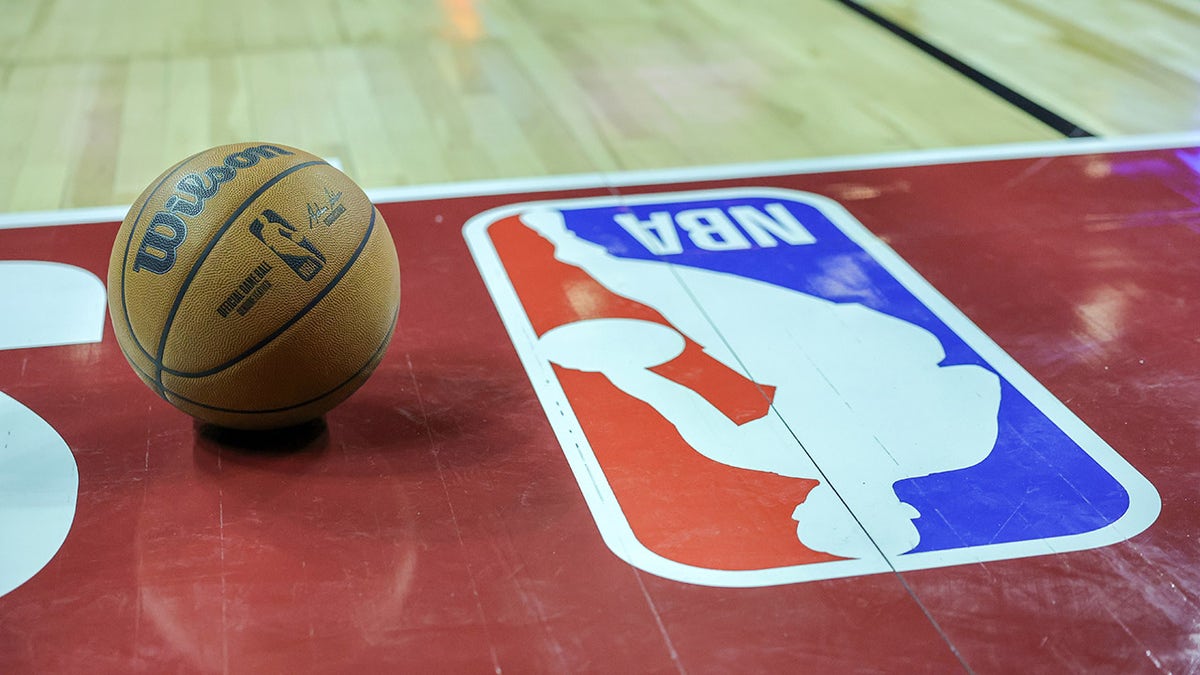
45,304
411,193
38,486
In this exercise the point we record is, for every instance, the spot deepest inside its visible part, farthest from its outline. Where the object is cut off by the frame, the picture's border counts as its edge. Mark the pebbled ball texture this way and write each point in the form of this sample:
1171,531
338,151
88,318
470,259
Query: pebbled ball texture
253,286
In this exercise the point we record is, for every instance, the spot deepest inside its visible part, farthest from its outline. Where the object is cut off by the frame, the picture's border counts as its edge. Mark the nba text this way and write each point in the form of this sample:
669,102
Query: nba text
715,229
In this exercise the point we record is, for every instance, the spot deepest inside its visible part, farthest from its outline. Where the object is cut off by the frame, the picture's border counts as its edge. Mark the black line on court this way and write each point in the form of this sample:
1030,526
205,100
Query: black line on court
1044,115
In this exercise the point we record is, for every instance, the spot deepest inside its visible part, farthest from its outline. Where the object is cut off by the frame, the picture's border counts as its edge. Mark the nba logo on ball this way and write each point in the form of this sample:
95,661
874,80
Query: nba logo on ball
752,390
253,286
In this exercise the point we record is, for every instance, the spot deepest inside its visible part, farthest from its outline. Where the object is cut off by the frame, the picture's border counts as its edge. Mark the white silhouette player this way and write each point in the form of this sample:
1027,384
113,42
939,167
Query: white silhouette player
862,392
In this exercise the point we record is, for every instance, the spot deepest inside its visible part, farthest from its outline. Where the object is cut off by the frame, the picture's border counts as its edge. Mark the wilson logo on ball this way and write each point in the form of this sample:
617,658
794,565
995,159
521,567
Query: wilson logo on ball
167,231
157,251
284,294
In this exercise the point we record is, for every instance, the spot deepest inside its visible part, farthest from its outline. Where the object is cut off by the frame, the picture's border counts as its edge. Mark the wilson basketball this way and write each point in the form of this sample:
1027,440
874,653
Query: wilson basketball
253,286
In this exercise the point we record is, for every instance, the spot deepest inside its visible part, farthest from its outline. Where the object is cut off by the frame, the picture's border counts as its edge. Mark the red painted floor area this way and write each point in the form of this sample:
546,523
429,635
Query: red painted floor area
432,523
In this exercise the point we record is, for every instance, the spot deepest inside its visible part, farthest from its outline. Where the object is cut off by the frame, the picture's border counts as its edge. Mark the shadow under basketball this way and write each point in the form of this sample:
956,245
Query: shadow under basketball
289,449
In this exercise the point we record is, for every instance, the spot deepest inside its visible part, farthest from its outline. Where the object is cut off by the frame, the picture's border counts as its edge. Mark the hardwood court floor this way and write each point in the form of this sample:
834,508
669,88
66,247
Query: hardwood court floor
1122,67
445,519
97,98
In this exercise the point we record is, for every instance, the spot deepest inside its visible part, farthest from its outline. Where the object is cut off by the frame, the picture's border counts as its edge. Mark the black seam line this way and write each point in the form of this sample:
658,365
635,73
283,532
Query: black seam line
1039,112
824,478
129,242
295,317
162,343
375,359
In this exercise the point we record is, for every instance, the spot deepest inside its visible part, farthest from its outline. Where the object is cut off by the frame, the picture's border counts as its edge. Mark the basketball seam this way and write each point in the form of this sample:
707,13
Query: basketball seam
376,355
129,242
162,344
291,322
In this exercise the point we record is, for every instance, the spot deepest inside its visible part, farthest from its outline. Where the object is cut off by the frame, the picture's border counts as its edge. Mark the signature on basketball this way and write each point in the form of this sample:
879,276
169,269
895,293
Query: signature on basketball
326,212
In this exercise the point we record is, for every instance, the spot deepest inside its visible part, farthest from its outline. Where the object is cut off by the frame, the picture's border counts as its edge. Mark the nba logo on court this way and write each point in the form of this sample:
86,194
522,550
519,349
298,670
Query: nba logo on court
751,389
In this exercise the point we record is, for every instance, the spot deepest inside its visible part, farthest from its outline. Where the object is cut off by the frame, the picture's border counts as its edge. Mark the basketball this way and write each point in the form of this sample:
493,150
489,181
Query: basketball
253,286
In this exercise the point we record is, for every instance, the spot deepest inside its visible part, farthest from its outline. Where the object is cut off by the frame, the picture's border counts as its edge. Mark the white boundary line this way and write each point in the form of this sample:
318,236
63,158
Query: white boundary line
1056,148
98,214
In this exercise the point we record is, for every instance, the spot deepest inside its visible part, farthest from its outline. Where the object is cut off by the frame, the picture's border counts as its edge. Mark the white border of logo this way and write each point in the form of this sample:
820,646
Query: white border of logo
1144,501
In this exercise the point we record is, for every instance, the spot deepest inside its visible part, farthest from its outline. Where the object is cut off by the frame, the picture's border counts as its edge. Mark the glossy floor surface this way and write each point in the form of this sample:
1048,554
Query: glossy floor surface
762,336
444,519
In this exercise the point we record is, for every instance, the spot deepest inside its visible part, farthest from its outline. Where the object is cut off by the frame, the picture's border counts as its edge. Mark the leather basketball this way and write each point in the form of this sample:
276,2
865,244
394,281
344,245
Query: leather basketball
253,286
